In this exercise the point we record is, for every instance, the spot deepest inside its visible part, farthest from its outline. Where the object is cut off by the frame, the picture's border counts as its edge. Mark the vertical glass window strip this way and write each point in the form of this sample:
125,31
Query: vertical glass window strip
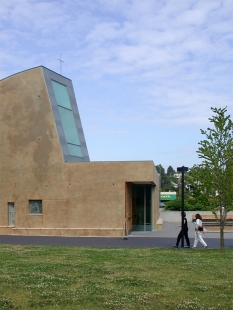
69,126
11,213
61,95
35,206
67,119
75,150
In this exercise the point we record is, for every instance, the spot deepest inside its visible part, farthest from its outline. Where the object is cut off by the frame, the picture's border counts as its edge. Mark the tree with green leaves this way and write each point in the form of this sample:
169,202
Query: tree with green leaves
170,171
213,178
160,169
163,177
167,179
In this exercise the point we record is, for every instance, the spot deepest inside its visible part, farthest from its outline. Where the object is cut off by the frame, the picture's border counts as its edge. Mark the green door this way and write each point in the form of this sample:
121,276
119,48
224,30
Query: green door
142,207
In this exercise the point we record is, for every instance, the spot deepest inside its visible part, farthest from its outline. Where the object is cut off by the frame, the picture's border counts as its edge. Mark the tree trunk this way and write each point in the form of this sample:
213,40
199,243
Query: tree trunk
222,225
222,245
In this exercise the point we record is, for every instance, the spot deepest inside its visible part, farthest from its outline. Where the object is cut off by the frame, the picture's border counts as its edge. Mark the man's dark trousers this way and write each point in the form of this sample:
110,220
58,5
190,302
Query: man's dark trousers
185,235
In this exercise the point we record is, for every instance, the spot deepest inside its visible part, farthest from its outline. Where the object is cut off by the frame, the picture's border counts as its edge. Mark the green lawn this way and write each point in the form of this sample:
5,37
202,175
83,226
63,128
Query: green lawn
46,277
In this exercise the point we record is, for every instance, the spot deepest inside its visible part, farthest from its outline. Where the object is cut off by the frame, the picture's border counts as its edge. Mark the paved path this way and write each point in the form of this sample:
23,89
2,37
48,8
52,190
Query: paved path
162,238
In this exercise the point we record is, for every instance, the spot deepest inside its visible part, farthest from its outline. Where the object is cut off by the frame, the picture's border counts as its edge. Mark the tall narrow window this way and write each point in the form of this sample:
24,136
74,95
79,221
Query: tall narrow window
67,119
11,213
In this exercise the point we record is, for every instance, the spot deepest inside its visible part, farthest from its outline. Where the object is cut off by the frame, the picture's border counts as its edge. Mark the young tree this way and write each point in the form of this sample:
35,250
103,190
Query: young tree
213,178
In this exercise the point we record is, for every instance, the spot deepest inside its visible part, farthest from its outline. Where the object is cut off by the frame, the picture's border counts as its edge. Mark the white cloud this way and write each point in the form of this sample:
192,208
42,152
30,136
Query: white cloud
143,63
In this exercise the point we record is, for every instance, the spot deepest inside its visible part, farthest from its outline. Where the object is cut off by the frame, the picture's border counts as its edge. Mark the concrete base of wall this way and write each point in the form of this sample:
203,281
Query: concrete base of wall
68,232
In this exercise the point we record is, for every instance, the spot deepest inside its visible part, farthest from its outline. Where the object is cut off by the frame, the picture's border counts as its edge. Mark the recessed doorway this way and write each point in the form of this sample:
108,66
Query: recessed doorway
141,207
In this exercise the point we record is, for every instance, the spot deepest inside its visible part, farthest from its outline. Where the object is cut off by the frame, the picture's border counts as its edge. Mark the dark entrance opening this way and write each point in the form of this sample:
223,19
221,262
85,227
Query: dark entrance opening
141,207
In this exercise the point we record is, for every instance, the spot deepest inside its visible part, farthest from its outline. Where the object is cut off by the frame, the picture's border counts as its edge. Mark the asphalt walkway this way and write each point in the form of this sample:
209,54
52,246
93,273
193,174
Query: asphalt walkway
158,238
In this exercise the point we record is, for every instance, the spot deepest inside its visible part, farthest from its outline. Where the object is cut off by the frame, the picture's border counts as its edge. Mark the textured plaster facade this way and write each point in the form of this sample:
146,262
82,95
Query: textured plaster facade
78,198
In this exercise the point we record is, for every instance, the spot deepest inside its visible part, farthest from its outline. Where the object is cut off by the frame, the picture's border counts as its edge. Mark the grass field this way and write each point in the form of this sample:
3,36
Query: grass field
46,277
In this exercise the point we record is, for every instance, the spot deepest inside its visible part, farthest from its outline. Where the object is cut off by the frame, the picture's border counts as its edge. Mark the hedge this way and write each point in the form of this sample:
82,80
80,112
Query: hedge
189,205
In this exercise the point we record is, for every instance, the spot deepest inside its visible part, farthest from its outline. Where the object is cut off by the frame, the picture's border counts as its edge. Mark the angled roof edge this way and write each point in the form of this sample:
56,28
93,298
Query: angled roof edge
32,69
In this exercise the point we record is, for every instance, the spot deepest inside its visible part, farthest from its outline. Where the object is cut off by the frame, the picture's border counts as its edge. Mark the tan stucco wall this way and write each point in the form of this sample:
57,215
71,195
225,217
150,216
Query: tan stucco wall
31,160
98,190
78,198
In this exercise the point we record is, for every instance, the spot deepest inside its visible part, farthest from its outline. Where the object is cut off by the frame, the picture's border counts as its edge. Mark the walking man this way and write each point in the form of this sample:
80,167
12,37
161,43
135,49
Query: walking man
184,231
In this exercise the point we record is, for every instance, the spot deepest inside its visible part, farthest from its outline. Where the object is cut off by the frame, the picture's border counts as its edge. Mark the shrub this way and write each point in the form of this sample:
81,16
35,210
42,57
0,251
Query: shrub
190,204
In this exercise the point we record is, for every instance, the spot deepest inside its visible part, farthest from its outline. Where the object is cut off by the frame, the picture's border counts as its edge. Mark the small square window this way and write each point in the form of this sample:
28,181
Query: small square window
35,206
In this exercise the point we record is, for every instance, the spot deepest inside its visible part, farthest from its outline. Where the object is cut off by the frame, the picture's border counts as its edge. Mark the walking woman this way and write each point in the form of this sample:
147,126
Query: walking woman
198,232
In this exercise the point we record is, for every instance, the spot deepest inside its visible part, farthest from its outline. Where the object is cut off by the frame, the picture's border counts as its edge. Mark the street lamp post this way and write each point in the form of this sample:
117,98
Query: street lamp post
183,170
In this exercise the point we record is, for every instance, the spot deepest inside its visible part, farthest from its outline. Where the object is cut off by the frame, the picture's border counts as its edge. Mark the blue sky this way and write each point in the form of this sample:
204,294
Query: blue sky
145,72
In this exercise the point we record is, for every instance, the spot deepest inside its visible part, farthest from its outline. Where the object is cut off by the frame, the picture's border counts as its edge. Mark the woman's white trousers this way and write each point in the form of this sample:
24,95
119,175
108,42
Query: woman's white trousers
198,237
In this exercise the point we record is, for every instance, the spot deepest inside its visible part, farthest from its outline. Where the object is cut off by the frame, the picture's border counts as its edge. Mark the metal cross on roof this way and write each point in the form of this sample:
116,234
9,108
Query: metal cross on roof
61,61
